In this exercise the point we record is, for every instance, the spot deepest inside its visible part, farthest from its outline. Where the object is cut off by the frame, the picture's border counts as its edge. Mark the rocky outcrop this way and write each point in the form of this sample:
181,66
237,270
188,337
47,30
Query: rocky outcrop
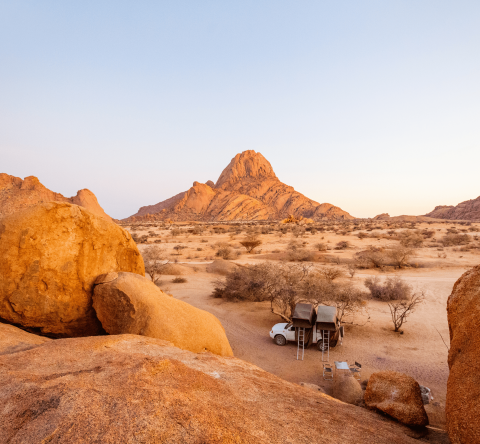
134,389
404,218
463,388
397,395
50,256
17,194
129,303
13,339
346,388
468,210
247,189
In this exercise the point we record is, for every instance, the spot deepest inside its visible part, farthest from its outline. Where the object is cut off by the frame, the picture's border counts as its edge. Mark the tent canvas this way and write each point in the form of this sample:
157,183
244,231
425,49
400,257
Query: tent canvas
326,317
303,316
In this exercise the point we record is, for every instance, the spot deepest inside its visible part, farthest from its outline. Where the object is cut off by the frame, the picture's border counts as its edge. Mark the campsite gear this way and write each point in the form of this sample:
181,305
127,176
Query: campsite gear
356,369
303,320
327,372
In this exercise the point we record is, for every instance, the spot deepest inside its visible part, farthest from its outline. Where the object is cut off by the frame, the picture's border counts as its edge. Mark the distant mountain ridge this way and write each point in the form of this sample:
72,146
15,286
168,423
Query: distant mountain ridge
247,189
468,210
17,194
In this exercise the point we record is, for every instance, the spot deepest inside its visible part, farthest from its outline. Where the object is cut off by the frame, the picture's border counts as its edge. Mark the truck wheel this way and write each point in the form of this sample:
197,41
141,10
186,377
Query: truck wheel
333,343
320,346
280,340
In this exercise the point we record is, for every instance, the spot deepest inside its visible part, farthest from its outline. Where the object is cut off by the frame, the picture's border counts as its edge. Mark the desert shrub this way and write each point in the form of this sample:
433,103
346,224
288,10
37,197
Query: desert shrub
251,242
342,245
298,231
362,235
455,239
154,258
373,257
227,252
179,280
283,285
414,240
392,289
179,248
175,232
331,273
198,230
301,255
428,234
320,246
400,255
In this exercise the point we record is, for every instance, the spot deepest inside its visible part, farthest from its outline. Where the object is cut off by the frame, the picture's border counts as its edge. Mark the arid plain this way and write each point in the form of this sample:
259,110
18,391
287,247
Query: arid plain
420,351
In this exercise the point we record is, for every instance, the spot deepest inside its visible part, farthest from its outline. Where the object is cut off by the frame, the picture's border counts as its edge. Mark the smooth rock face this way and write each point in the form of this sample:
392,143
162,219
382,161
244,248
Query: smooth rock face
50,256
463,388
398,395
13,339
134,304
347,389
247,189
134,389
17,194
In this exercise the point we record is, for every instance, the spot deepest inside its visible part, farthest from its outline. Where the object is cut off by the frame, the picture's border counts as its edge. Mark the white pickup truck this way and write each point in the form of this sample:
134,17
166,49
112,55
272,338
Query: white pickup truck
326,324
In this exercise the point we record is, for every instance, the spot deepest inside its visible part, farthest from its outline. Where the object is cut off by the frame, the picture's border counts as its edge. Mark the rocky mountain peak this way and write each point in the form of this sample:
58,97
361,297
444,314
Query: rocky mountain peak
248,164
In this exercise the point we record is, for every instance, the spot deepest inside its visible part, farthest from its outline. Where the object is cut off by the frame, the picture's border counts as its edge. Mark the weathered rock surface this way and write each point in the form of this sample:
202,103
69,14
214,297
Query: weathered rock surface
397,395
247,189
134,389
13,339
17,194
50,256
463,389
130,303
468,210
346,388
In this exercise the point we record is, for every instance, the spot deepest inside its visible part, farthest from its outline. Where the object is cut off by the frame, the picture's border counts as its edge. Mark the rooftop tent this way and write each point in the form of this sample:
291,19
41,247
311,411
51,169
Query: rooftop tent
326,317
303,316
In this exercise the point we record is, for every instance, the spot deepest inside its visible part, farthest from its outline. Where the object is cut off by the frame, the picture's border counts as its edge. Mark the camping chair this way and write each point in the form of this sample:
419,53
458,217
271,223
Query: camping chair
327,372
356,369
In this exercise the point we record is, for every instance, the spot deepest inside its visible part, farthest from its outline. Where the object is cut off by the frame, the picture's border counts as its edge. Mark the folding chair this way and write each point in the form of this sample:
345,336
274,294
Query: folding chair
327,372
356,369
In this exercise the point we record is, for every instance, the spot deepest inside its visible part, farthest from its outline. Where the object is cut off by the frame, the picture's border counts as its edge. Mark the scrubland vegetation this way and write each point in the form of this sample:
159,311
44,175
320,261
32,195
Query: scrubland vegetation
385,278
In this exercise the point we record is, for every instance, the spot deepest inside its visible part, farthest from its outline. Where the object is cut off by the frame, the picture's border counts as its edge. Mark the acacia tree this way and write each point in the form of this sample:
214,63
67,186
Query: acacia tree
251,242
154,258
402,309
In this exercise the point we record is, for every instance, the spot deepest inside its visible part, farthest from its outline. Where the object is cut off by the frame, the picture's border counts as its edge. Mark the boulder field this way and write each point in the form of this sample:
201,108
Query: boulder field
50,256
130,303
135,389
463,388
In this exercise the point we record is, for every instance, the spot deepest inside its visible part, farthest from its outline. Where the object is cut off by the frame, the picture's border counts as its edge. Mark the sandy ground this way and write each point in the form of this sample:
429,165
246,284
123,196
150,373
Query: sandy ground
419,352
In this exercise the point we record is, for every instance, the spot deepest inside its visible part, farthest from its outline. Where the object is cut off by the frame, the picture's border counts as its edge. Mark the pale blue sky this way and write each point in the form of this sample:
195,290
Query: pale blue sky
373,106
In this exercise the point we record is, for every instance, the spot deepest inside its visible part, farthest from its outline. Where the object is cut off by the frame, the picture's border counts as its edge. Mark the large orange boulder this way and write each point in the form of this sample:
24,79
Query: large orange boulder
463,388
50,256
397,395
13,339
129,303
346,388
134,389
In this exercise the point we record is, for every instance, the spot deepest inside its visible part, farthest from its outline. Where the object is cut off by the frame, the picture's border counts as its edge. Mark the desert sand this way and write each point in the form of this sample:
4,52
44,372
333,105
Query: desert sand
421,351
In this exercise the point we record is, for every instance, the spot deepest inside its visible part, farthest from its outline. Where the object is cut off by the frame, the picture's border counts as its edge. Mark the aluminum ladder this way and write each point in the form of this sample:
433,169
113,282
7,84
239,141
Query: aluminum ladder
325,345
301,342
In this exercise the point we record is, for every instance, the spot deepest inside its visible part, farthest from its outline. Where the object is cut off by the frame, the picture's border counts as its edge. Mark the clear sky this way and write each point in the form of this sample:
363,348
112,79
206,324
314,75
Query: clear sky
373,106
